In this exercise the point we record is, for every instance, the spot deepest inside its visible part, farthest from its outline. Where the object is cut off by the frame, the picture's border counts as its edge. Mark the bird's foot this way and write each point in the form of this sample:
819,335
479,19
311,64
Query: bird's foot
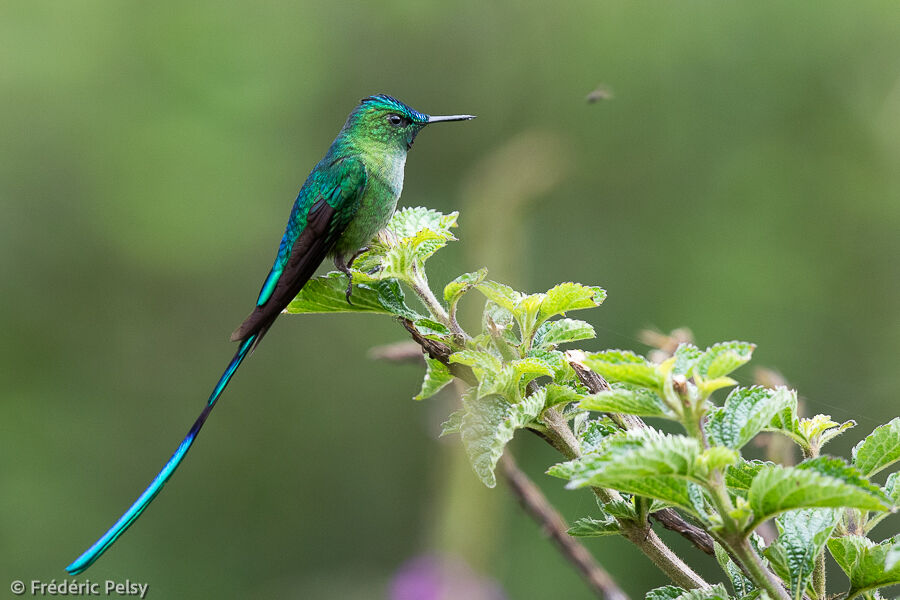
345,269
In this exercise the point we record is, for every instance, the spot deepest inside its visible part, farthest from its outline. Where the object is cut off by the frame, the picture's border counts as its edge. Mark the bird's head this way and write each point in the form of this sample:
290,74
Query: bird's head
386,120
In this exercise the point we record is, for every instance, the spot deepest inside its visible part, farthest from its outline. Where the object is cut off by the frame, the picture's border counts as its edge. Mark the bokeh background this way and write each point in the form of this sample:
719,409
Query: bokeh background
743,181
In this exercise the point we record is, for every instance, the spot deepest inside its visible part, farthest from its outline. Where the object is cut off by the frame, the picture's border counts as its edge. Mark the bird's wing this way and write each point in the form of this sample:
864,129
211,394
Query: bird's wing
333,197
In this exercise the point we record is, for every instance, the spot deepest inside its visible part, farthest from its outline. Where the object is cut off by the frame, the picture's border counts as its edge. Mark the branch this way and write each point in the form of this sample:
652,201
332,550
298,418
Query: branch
562,438
535,504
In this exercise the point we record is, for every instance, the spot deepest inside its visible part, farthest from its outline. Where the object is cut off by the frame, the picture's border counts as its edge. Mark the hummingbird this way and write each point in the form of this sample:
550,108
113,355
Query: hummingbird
348,197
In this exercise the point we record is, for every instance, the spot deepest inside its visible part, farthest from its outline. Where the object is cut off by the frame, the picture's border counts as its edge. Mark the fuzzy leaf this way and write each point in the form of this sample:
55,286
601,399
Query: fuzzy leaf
431,329
721,359
892,488
437,375
739,476
867,564
644,462
666,592
880,449
559,394
569,296
555,361
747,411
625,366
801,537
686,356
407,222
670,592
459,286
631,401
489,424
595,432
590,527
500,294
326,294
453,422
820,483
561,331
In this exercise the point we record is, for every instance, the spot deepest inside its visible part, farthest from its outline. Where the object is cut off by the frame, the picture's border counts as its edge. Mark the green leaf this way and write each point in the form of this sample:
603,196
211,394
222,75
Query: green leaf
590,527
501,295
628,400
801,537
431,329
557,362
820,483
643,462
489,424
739,583
453,422
510,379
326,294
407,222
721,359
412,235
820,429
595,432
498,324
670,592
739,476
625,366
666,592
686,356
560,394
747,411
437,375
865,562
561,331
569,296
477,359
892,488
880,449
454,290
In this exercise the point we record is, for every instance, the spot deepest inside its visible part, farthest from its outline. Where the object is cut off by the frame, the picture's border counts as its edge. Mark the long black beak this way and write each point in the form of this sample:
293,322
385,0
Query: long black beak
450,118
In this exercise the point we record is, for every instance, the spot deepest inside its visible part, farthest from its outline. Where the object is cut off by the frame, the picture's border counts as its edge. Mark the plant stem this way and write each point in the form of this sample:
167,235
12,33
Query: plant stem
640,535
420,286
761,576
536,504
819,576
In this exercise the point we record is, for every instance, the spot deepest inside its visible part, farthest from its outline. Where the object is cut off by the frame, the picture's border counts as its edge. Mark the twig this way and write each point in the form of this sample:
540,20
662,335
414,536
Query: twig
535,504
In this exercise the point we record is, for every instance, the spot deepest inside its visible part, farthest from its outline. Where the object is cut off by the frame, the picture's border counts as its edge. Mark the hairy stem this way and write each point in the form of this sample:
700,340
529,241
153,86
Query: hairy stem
536,504
819,576
761,576
420,286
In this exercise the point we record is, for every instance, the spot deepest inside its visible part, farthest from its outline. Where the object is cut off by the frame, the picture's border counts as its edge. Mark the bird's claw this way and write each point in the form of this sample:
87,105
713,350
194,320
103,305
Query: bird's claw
349,288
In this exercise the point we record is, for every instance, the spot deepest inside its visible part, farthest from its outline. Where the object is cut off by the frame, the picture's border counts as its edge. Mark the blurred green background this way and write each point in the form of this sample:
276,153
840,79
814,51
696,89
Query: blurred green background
744,182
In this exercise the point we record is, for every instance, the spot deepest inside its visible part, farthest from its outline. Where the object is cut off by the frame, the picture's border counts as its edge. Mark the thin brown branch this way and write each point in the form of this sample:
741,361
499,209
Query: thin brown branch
438,351
536,505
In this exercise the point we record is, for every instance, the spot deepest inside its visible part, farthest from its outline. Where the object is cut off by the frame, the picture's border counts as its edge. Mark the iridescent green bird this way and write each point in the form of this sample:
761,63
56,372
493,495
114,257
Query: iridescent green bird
347,198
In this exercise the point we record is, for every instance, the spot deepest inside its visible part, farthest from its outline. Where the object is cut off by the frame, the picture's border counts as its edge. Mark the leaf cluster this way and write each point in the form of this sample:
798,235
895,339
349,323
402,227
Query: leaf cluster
518,378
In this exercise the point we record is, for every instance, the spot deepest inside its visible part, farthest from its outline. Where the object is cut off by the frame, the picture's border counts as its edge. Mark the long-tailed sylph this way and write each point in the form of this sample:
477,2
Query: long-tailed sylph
348,197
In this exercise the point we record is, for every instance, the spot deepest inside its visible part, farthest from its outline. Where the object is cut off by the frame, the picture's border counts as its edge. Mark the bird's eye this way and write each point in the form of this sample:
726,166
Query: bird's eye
395,120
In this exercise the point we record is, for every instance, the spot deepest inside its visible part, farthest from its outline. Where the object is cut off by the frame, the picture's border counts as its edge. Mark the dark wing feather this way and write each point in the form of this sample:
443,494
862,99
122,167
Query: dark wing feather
324,225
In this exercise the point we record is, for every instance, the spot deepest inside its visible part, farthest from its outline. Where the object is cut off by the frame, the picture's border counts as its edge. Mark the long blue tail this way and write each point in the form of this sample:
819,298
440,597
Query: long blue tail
94,552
